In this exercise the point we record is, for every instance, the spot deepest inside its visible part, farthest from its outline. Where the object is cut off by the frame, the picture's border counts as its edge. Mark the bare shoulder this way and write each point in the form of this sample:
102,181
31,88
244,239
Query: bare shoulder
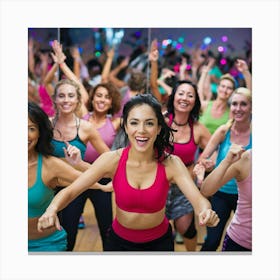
85,125
173,163
108,162
53,162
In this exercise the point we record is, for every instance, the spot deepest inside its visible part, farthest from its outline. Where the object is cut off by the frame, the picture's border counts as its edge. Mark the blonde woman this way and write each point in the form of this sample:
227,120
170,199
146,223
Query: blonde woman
237,131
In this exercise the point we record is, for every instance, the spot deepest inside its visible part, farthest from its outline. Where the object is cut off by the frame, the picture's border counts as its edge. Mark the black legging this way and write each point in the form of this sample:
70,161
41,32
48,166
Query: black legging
222,203
70,215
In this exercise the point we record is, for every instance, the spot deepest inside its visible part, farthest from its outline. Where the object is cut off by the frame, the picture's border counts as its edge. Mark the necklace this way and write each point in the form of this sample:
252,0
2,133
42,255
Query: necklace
181,124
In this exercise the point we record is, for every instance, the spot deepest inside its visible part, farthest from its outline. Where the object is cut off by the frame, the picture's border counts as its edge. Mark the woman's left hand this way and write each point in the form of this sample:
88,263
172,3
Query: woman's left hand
208,218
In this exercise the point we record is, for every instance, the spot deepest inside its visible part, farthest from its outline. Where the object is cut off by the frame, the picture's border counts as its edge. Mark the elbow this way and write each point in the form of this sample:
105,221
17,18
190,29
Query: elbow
205,192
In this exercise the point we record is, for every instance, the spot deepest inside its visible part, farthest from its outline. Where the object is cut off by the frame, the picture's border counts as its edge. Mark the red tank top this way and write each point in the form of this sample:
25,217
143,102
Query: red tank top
149,200
186,151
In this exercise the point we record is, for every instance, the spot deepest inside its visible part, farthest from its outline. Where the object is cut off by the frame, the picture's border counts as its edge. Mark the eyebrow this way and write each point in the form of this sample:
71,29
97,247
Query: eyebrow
135,119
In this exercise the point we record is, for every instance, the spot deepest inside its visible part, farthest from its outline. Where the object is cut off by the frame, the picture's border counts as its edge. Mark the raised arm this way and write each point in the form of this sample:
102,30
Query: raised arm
166,73
228,168
107,66
153,57
242,67
60,57
113,74
203,84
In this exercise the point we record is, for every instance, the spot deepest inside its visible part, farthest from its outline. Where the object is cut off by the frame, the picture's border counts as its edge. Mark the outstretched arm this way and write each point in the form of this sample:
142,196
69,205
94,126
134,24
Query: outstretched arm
100,168
202,207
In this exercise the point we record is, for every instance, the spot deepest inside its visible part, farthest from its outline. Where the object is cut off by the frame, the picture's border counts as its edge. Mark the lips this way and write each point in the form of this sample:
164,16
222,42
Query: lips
141,141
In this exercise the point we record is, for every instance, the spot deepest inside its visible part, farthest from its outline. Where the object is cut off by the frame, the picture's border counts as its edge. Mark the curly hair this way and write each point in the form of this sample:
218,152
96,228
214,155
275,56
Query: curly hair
40,118
164,141
113,92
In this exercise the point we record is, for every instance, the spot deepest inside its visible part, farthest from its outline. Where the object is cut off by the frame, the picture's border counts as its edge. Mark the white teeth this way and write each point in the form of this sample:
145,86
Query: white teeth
141,138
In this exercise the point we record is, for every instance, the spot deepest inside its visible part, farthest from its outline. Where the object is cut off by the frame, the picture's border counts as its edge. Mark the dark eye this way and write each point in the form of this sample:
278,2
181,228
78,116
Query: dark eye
150,123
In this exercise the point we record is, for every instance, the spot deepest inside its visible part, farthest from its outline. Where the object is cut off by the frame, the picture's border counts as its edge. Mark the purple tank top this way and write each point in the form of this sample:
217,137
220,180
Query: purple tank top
108,134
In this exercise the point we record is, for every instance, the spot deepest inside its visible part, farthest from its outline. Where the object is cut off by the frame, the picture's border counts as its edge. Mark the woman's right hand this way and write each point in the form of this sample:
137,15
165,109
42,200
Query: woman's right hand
47,220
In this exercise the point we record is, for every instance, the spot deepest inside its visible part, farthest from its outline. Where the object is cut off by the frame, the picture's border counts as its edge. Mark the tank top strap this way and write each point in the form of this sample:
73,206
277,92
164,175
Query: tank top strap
39,166
78,122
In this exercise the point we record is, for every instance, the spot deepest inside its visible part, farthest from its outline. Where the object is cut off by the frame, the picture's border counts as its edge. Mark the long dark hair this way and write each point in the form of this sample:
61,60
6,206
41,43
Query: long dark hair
195,112
164,141
40,118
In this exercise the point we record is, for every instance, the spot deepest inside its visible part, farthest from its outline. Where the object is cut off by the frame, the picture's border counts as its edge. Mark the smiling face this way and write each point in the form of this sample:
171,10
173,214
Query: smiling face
241,107
102,100
142,127
225,89
184,98
33,135
66,98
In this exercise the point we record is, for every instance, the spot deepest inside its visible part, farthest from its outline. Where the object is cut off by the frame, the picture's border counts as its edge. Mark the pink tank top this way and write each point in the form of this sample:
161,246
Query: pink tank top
46,101
148,200
240,228
108,134
186,151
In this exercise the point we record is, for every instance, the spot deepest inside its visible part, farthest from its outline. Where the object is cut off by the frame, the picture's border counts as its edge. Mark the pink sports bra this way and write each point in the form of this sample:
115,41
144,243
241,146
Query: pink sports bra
186,151
148,200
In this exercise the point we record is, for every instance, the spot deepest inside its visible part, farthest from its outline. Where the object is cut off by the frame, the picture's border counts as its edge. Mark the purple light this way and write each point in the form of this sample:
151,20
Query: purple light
223,61
224,38
220,49
178,46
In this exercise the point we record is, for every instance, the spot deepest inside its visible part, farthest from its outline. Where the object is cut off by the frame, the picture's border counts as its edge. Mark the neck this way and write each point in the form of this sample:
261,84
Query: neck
145,157
241,127
32,157
98,117
181,119
221,103
66,118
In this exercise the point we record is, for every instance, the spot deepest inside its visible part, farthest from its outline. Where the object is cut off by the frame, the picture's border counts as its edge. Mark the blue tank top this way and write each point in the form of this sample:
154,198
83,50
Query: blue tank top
39,195
59,145
230,187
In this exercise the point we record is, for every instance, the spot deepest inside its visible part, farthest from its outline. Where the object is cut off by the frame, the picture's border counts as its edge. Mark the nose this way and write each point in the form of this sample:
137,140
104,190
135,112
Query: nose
141,127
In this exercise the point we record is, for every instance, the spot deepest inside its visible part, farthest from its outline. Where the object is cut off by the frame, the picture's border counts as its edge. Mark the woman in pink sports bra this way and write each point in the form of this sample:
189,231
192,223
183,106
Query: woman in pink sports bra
141,174
182,116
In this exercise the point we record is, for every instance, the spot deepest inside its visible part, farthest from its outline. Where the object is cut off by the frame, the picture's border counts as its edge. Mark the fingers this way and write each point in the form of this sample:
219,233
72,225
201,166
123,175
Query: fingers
208,218
48,221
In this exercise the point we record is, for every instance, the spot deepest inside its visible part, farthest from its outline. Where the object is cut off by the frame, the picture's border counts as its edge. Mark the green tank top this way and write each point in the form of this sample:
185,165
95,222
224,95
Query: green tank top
213,123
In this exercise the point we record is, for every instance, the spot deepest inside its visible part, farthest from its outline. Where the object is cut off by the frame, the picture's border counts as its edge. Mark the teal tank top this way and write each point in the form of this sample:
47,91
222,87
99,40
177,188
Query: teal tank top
59,145
213,123
77,142
230,187
39,195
